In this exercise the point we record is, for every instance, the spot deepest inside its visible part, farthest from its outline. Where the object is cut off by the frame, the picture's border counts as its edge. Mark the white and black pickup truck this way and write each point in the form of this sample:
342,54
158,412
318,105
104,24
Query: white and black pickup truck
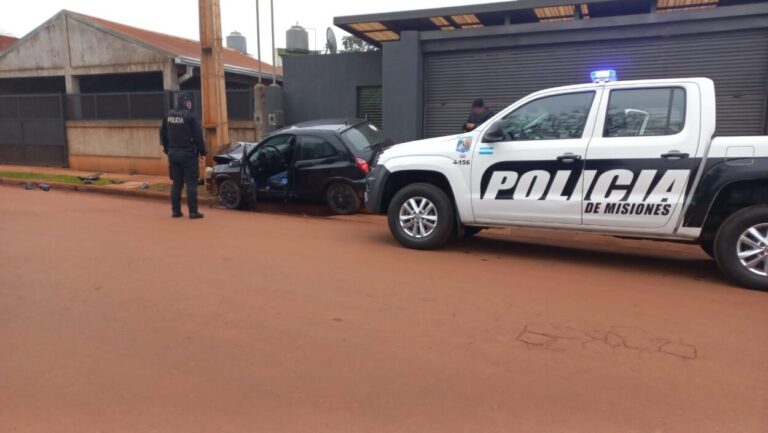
634,159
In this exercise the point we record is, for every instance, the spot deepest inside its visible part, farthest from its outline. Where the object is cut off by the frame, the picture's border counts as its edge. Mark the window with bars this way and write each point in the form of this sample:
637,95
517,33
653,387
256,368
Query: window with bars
369,104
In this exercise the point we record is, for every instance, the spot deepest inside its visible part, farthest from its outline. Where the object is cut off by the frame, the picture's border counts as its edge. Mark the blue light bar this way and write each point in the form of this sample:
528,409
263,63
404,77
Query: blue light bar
604,76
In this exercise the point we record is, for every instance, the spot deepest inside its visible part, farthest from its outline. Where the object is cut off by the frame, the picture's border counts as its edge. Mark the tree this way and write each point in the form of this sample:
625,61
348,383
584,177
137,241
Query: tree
353,44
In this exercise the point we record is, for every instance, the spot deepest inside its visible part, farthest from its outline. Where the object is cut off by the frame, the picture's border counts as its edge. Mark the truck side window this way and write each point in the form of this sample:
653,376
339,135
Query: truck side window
556,117
645,112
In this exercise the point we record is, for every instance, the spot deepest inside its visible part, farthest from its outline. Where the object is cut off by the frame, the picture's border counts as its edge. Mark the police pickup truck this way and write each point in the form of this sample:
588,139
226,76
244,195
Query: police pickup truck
633,159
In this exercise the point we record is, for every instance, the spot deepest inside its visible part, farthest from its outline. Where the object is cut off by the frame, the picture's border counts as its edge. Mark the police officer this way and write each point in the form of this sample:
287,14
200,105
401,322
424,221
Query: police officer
479,114
182,138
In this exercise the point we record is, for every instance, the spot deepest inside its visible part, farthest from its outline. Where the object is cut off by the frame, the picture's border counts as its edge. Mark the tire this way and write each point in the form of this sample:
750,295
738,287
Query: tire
342,199
422,234
230,195
744,231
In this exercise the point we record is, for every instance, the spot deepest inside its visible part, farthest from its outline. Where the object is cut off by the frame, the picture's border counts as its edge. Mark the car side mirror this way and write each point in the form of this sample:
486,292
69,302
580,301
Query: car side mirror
234,163
494,133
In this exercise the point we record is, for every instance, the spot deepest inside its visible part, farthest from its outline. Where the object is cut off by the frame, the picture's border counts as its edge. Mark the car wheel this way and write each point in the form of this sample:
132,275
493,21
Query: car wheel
229,194
421,216
741,247
342,199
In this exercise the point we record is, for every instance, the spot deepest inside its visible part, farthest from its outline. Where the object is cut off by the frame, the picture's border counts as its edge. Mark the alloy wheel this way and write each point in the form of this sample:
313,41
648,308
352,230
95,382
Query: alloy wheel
418,217
752,249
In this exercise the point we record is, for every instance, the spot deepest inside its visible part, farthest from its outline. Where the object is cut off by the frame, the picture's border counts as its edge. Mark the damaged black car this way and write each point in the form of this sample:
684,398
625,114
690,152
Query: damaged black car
324,160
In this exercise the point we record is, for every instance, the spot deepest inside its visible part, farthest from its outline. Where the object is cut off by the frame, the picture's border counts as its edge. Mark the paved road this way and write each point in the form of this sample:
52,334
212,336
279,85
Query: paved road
116,318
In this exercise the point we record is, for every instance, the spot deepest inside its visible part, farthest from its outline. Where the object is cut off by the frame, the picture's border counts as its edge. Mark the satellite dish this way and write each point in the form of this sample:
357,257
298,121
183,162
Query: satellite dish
330,44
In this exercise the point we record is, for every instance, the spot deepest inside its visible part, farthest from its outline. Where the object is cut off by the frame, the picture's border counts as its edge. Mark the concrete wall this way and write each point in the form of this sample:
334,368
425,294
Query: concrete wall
66,46
403,92
127,146
318,87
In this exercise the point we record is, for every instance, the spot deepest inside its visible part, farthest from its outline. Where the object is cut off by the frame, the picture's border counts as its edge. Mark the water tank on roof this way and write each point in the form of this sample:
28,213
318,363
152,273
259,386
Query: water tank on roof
236,41
297,39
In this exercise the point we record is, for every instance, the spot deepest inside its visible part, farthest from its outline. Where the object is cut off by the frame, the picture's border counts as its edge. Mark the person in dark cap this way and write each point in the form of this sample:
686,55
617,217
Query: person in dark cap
182,139
480,113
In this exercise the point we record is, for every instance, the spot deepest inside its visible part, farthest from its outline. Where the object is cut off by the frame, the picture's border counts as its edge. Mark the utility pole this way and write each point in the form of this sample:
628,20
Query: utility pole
259,97
212,83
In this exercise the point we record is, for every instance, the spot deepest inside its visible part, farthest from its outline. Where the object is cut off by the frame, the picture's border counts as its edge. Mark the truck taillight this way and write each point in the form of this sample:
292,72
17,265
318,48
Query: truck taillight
362,165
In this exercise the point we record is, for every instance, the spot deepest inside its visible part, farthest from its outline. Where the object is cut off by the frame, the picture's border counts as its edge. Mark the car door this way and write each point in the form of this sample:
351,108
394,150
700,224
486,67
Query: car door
266,166
639,163
317,161
532,173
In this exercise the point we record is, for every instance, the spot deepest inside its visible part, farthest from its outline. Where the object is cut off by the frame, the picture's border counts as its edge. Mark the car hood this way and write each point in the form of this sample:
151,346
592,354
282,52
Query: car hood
235,152
446,145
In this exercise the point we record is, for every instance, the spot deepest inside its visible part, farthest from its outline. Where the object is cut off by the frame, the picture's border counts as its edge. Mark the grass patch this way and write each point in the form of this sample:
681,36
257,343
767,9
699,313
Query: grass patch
39,177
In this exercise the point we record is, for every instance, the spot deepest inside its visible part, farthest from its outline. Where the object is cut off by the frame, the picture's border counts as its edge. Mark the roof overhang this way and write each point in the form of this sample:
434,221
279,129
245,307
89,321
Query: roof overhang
188,61
385,27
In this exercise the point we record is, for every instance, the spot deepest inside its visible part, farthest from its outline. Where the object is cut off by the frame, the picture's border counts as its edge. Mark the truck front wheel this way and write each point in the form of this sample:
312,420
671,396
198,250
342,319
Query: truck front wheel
741,247
421,216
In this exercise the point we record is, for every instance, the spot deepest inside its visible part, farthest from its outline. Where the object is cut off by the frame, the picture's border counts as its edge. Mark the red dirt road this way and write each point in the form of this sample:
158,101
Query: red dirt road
116,318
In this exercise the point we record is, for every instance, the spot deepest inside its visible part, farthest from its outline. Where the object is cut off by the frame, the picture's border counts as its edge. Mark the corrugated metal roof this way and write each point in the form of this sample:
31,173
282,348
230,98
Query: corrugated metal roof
6,41
186,49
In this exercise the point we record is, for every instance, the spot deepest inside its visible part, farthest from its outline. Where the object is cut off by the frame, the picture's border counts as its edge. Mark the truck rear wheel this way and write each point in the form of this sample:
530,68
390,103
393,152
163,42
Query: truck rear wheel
421,216
741,247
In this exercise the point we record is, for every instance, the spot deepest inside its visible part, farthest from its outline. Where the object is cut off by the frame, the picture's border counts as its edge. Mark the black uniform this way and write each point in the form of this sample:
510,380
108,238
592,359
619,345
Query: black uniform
182,138
477,119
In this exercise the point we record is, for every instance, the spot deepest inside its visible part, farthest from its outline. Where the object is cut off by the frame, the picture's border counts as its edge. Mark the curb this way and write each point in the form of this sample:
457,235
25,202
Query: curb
156,195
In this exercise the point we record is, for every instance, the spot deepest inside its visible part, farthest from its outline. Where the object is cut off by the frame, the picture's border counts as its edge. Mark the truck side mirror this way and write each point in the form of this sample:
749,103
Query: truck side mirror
494,133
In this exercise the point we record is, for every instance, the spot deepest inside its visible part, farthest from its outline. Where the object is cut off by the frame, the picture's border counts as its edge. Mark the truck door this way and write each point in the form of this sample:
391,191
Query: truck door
639,163
532,171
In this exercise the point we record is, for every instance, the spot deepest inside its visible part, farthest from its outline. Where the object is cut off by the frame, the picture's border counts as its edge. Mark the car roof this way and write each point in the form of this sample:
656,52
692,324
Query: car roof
337,125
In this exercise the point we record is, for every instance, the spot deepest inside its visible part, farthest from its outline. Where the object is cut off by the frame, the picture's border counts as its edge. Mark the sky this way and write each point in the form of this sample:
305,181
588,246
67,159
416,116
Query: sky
180,17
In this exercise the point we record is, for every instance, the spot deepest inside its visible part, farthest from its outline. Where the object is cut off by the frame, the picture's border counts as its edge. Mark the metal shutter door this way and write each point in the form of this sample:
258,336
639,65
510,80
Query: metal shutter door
737,61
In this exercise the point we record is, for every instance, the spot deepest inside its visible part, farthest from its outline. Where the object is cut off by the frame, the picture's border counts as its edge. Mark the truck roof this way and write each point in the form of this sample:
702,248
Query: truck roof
698,80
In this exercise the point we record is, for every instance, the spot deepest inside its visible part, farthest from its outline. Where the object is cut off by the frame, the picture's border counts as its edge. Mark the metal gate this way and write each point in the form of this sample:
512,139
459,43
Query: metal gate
32,130
737,61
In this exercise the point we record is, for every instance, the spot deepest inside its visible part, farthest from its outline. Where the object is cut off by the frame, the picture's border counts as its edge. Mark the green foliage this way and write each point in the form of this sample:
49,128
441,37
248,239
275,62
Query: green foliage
353,44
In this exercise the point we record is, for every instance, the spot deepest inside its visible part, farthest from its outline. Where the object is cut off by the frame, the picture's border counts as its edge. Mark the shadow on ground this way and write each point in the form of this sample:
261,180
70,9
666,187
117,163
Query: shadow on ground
662,258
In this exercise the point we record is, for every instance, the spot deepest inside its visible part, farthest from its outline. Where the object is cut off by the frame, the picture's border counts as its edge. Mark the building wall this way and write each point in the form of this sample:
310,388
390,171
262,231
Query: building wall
127,146
407,79
66,46
318,87
403,82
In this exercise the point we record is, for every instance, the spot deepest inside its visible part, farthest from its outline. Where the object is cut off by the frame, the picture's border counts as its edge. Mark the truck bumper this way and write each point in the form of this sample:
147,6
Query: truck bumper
375,185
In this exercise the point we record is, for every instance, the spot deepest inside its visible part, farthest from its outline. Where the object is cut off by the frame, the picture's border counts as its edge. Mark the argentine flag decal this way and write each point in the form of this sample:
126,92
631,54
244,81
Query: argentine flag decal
485,150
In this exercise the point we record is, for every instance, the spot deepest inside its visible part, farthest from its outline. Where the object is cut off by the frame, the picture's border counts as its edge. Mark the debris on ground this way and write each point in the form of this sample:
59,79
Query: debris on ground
144,185
117,181
90,178
45,187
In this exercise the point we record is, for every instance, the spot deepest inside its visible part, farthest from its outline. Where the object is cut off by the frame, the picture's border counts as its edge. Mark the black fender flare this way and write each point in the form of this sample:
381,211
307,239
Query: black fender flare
717,176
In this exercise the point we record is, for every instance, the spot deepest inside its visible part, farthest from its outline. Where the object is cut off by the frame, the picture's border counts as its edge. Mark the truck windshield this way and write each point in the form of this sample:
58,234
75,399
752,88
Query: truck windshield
364,136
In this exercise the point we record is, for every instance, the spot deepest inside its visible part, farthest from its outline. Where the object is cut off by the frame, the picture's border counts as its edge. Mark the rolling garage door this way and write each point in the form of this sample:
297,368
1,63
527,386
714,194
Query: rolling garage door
737,61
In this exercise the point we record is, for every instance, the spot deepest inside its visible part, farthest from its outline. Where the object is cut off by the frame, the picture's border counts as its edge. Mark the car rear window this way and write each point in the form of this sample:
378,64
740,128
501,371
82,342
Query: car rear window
364,136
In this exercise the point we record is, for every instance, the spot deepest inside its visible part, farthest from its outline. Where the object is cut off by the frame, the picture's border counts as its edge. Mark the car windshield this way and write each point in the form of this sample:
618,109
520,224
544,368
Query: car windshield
364,136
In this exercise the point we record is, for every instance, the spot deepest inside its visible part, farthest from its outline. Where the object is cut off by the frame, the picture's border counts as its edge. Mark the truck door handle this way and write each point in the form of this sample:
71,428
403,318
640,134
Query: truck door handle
674,154
568,157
